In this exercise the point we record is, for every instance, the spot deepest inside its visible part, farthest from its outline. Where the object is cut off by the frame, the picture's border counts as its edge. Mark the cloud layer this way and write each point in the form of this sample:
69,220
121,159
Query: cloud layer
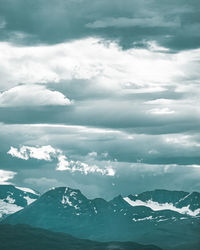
111,86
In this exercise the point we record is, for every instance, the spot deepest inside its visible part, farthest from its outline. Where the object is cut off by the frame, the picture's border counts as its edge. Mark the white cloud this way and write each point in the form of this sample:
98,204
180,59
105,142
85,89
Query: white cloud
161,101
182,140
32,95
5,176
161,111
48,153
106,65
93,154
77,166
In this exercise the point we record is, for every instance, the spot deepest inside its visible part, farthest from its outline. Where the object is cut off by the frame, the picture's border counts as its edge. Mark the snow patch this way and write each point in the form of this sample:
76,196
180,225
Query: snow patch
77,207
155,206
162,220
184,197
10,200
73,193
7,208
142,219
95,210
29,200
27,190
65,199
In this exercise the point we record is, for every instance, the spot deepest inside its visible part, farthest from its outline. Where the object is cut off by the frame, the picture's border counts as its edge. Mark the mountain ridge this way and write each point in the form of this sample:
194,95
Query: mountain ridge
67,210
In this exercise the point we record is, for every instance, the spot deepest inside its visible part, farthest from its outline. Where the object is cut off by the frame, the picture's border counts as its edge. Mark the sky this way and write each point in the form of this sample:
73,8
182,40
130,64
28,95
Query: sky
102,96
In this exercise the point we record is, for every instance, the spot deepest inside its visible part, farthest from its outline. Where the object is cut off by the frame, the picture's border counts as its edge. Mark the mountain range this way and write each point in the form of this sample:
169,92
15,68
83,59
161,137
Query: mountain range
168,219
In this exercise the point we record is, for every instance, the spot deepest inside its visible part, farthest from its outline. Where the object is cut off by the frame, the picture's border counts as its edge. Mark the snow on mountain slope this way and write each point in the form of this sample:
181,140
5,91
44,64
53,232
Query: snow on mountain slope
181,202
8,208
28,190
13,199
155,206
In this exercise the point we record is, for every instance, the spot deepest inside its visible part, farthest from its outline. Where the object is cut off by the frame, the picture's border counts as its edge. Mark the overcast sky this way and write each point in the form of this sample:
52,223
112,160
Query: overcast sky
100,95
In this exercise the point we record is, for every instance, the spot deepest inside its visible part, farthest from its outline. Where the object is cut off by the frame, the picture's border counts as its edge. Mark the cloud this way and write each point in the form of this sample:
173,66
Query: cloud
5,176
133,21
32,95
134,84
40,153
122,22
161,101
77,166
93,154
106,66
43,182
167,159
48,153
161,111
98,75
125,146
182,140
2,23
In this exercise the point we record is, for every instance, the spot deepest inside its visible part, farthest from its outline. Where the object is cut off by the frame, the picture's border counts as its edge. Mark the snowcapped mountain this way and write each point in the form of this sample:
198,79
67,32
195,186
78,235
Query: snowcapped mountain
156,217
13,199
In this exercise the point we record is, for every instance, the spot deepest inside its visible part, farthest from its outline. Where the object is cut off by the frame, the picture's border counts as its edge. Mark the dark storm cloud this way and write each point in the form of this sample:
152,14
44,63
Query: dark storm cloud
171,23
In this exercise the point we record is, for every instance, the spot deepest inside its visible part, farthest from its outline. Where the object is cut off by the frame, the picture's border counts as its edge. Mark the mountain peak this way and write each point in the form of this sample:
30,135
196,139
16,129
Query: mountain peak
63,191
63,198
